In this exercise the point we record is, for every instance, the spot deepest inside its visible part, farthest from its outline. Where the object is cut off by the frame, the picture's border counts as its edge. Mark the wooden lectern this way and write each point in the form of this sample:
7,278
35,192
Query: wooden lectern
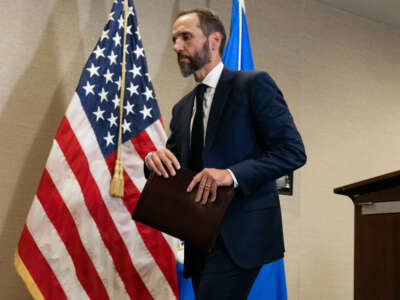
376,236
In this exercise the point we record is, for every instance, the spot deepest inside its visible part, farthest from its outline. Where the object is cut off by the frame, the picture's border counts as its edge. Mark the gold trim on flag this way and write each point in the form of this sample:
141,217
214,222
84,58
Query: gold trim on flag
26,277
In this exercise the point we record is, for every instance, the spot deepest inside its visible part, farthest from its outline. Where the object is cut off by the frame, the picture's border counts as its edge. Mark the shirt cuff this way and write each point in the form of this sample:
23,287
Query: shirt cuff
235,182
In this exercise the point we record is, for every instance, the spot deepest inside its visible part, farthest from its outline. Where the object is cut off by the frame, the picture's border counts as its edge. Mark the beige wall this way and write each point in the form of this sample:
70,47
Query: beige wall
339,73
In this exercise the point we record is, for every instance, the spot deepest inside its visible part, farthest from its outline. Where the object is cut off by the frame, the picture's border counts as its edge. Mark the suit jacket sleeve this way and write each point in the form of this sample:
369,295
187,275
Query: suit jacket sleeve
169,145
282,147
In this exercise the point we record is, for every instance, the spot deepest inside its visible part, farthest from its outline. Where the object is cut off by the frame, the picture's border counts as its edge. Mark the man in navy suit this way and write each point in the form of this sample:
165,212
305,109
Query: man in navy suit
235,129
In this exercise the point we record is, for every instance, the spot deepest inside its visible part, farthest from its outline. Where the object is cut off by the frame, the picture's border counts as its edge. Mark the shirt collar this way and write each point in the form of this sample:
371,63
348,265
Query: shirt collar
213,76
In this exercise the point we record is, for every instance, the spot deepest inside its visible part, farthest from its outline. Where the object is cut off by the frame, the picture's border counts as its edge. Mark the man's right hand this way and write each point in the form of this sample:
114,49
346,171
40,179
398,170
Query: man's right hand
162,160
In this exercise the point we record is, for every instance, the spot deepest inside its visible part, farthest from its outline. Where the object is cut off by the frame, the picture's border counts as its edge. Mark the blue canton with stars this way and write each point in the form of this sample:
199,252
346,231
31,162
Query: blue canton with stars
100,84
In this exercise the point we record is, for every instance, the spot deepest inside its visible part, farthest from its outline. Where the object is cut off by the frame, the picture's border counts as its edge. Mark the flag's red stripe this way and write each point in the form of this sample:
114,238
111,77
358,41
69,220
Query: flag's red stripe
39,268
63,222
79,165
143,144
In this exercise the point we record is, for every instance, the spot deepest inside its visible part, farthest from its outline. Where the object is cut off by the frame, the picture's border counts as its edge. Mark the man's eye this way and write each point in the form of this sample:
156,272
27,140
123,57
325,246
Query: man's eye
186,36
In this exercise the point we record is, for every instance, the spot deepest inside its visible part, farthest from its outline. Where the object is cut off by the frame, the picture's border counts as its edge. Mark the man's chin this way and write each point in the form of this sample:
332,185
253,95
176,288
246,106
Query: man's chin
186,74
186,70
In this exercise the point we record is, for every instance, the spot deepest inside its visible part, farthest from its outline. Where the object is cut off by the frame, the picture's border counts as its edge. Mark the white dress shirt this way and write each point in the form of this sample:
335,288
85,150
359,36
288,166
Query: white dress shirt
211,81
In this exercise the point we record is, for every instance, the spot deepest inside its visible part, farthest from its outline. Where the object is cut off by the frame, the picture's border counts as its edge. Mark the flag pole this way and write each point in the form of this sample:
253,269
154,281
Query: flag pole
240,37
117,182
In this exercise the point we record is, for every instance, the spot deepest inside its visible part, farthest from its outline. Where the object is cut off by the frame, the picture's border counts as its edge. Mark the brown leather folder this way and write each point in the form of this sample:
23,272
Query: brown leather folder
165,205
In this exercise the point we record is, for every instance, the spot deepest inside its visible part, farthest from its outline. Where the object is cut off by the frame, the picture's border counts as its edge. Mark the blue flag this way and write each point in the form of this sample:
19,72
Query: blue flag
237,53
270,283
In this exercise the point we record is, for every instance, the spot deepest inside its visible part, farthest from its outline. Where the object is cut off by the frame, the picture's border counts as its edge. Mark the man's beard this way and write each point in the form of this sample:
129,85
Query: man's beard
199,60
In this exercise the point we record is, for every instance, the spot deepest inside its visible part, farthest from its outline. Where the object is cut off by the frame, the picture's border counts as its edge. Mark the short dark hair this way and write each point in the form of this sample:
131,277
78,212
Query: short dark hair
209,23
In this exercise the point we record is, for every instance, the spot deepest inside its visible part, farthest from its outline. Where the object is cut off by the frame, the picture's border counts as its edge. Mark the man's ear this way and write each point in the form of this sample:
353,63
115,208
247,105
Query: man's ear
215,41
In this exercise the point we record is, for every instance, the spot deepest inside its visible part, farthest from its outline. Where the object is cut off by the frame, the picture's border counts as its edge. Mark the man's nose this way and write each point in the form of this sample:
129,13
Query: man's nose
178,45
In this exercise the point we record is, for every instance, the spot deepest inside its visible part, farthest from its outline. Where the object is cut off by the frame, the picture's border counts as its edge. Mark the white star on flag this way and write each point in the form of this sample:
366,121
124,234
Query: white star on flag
109,139
129,30
110,16
104,35
113,120
88,88
99,52
93,70
135,71
99,114
117,39
139,52
133,89
129,108
126,49
137,32
116,101
108,76
146,112
148,77
103,95
148,93
120,22
130,11
113,58
118,83
126,126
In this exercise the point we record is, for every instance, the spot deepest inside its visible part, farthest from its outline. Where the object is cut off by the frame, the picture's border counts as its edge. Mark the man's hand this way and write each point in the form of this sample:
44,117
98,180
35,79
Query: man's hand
161,160
209,180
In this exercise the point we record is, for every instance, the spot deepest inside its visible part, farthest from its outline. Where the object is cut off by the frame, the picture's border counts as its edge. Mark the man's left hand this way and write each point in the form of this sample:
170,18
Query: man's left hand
209,180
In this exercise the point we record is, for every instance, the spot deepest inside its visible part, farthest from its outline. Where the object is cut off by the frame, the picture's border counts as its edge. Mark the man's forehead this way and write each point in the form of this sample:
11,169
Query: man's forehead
186,21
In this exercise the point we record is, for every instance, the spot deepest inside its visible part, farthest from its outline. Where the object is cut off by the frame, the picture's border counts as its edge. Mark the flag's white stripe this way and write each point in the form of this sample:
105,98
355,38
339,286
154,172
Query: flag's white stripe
53,249
139,254
70,190
133,165
157,134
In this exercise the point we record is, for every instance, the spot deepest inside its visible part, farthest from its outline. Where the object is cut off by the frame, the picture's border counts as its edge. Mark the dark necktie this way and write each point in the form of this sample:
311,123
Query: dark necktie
197,131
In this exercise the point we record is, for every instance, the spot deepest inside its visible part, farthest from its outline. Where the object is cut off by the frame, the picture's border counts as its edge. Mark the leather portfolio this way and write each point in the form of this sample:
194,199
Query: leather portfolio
166,205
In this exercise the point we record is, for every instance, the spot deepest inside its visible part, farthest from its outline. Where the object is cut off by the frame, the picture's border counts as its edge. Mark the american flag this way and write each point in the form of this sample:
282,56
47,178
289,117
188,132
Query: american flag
79,242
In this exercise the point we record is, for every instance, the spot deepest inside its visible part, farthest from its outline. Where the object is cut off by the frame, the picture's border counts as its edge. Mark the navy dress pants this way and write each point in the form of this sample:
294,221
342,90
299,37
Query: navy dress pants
219,278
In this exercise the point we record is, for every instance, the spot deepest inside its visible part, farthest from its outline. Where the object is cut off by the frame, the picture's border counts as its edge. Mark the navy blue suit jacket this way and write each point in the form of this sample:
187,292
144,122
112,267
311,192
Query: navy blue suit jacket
250,131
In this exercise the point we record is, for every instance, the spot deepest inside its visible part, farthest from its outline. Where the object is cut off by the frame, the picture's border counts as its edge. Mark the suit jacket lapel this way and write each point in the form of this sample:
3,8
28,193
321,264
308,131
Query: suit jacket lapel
221,96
